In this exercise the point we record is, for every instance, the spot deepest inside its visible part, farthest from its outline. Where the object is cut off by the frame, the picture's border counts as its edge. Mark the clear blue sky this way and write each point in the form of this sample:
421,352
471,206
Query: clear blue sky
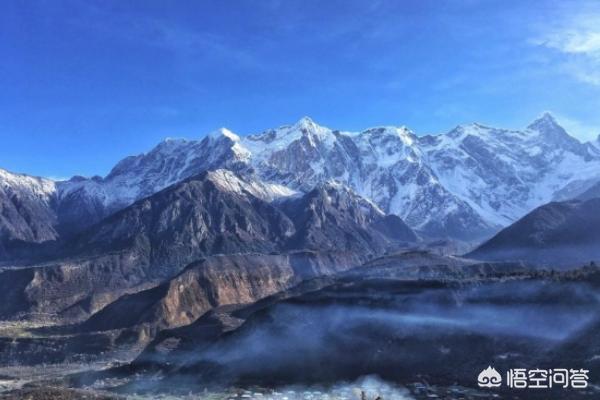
84,84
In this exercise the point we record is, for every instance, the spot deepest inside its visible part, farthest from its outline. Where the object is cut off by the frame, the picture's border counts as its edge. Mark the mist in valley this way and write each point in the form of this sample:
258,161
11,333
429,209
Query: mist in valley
345,333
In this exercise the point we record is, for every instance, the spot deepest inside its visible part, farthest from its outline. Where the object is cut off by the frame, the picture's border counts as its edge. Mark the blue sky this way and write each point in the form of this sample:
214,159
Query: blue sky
87,83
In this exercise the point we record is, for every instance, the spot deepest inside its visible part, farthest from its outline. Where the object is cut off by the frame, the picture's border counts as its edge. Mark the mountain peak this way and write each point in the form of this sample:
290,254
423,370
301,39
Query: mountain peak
551,133
306,123
544,122
306,127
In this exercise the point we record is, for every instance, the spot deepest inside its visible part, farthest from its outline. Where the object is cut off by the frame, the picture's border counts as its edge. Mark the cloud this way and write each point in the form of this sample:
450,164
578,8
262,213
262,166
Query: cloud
575,39
581,41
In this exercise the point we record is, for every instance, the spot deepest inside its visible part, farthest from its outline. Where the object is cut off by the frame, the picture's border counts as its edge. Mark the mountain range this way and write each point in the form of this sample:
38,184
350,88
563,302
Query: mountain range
466,184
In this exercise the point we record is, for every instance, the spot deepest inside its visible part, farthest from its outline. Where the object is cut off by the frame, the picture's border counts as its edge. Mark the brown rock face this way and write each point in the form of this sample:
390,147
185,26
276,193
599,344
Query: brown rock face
214,282
72,288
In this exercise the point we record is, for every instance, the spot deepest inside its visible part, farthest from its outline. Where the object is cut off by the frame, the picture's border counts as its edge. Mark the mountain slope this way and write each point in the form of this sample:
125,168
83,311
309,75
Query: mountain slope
591,193
214,212
332,217
26,209
559,233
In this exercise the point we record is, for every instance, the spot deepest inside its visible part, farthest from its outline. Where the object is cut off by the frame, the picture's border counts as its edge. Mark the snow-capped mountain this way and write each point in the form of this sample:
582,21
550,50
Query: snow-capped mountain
466,183
26,204
503,174
383,164
169,162
135,177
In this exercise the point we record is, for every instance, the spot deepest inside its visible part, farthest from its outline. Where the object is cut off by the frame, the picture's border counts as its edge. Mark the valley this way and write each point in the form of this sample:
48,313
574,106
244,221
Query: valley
408,318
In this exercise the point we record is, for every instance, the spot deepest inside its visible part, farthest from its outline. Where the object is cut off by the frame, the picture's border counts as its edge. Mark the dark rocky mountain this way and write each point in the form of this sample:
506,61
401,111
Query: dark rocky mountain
332,217
558,233
216,212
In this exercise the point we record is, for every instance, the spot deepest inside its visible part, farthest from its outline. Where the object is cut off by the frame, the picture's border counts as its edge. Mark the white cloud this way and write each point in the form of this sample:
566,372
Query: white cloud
581,41
575,36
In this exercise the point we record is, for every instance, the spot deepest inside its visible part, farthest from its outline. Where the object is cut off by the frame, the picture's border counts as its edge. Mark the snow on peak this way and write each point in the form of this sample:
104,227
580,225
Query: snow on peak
400,131
228,181
41,187
474,128
313,131
407,136
241,152
544,122
389,142
263,144
306,123
546,116
555,136
224,132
